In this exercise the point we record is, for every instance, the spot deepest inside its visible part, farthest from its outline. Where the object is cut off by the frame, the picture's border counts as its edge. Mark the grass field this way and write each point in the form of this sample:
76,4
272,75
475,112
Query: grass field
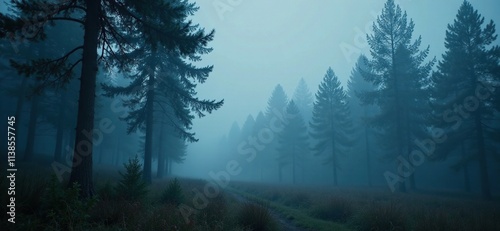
43,203
371,209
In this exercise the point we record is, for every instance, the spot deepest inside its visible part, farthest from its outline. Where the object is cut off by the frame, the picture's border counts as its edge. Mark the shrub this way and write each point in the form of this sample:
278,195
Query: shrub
173,193
256,217
64,208
335,209
132,187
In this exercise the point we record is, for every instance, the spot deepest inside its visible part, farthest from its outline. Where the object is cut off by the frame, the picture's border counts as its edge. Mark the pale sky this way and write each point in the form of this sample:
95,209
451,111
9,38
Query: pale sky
260,43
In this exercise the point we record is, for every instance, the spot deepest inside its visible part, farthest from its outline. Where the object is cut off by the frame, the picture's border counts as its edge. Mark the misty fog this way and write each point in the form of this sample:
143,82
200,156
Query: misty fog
322,113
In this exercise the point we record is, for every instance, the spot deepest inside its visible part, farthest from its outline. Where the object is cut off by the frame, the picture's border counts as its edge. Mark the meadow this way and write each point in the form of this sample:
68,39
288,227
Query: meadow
123,202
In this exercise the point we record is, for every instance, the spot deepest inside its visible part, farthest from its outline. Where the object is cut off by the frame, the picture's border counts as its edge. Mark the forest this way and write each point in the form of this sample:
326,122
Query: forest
123,115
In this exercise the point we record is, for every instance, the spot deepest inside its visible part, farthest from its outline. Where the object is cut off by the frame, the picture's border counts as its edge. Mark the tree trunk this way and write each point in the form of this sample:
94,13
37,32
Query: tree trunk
293,166
20,102
402,186
166,163
82,156
368,158
483,164
117,157
334,162
279,172
101,153
335,183
413,186
69,144
467,187
60,128
161,155
148,149
169,164
28,154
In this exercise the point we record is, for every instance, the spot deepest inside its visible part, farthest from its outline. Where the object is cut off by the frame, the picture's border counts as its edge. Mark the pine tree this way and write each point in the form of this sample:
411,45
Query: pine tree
163,73
233,138
276,106
132,186
277,103
362,112
331,127
171,91
293,140
303,99
463,100
261,128
107,26
400,75
247,129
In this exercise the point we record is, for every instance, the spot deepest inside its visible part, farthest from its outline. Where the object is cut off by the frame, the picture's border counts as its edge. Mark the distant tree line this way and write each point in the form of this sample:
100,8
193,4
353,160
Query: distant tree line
399,107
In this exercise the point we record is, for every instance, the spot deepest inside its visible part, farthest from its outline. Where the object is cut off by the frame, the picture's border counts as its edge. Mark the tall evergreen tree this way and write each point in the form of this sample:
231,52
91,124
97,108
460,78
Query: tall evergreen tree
247,129
303,99
331,126
107,25
400,75
463,99
362,112
277,103
163,73
276,106
293,140
233,138
261,128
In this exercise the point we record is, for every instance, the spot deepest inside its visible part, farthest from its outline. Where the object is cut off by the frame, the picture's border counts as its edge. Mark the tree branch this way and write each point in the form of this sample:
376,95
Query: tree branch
66,19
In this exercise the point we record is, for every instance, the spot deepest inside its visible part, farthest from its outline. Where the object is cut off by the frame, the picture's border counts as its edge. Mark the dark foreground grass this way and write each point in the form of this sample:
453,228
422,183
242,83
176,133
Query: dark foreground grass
256,216
365,209
44,203
298,217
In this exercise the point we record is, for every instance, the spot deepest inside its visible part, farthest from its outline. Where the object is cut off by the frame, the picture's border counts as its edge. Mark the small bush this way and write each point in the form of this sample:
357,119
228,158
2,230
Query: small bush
132,187
173,194
335,209
381,217
64,208
256,217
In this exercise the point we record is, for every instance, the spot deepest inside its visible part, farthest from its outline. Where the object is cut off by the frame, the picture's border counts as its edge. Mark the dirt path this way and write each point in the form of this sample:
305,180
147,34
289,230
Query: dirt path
284,223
